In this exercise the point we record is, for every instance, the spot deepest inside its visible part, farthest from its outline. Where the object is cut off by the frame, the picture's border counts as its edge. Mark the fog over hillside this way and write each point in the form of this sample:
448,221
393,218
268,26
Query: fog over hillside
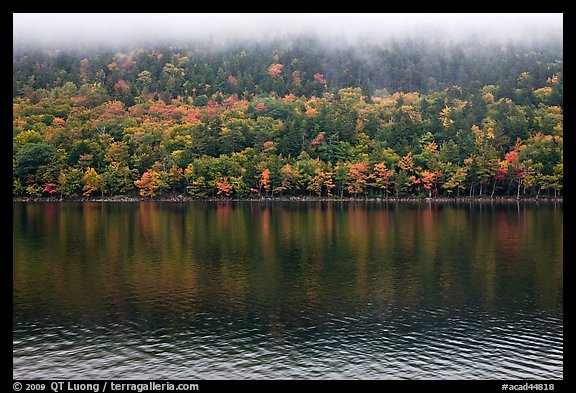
120,29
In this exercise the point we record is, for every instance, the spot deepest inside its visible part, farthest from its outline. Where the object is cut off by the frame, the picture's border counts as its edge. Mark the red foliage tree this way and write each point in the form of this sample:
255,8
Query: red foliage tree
223,187
58,121
275,69
50,188
318,140
358,175
381,176
318,77
265,180
163,111
121,85
428,180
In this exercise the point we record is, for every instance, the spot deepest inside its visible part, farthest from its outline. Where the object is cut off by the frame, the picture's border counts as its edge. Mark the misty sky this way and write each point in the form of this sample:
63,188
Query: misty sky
121,28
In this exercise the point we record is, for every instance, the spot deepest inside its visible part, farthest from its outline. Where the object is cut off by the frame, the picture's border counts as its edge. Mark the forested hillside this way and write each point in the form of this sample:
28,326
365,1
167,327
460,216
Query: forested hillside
290,117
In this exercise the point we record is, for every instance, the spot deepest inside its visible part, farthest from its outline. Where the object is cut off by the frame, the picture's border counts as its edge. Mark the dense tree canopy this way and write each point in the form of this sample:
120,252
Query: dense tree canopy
402,118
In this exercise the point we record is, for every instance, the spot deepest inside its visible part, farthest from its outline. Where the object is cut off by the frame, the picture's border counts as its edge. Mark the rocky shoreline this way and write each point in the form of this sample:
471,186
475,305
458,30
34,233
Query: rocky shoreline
187,199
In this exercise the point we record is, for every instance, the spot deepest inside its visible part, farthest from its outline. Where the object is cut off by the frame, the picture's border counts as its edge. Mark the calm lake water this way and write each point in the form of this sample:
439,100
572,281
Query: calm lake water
278,290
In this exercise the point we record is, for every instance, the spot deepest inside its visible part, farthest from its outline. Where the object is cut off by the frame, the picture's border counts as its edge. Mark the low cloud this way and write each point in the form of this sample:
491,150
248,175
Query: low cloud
124,28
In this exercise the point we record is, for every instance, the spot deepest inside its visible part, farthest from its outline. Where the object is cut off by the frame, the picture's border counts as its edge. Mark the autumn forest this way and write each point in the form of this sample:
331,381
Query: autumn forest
290,117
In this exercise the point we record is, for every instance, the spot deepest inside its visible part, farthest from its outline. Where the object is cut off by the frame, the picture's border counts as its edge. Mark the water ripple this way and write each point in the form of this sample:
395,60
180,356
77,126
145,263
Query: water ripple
293,302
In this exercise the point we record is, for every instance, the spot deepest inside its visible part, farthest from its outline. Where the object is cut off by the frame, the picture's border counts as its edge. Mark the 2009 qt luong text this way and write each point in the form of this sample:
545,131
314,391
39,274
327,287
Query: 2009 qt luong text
121,386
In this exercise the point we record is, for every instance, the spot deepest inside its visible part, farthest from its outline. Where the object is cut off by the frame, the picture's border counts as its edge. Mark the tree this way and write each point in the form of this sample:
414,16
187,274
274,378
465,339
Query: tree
516,170
171,119
322,181
175,178
485,156
499,175
402,180
153,182
428,180
36,162
382,177
288,178
117,179
223,186
456,180
406,163
93,182
264,181
358,175
556,180
71,181
305,168
275,69
84,69
25,138
50,189
144,82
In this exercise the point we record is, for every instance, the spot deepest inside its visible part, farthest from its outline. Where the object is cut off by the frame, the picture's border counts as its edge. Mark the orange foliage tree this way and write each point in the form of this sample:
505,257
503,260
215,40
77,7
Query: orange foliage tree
358,175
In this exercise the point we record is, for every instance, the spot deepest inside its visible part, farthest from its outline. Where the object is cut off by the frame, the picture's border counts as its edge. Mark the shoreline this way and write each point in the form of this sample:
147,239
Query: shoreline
187,199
